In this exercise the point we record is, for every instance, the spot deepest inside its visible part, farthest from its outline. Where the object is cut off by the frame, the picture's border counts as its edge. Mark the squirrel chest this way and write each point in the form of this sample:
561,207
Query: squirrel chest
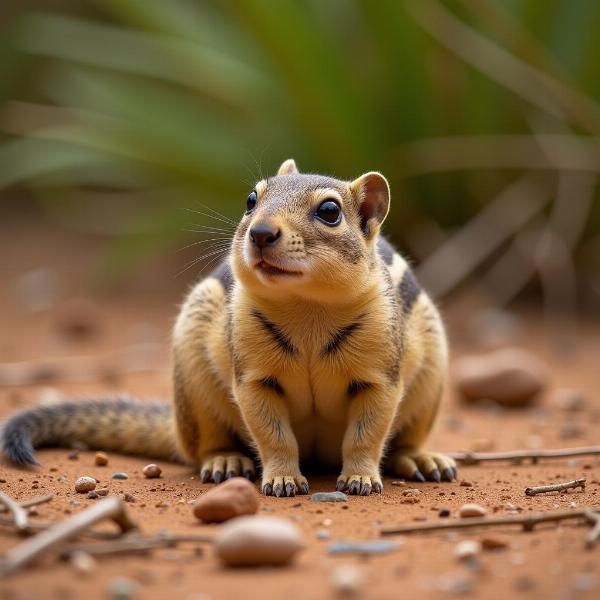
315,359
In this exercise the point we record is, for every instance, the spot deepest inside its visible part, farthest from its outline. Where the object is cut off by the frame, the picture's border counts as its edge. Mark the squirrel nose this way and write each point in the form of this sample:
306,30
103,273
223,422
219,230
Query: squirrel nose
263,235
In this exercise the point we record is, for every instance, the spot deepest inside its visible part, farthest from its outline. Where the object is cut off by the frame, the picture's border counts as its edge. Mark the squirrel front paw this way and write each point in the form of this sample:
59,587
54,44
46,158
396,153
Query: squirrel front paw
224,465
284,485
360,484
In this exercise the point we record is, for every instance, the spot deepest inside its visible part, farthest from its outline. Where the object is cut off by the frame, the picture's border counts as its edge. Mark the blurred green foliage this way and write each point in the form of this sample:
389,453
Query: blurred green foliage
122,113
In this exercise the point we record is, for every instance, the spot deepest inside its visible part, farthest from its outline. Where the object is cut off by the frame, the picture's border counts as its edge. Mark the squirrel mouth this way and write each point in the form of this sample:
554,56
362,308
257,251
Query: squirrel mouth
269,269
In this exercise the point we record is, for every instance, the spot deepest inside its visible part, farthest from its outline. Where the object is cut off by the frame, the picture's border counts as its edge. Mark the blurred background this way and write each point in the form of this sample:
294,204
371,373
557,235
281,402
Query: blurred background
131,133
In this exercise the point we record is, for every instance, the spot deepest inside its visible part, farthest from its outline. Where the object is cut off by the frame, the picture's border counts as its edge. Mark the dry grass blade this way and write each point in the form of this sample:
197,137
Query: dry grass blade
506,214
528,82
545,151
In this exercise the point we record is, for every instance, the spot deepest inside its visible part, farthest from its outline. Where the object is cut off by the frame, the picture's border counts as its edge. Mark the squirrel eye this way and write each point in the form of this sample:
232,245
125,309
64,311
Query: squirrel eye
251,202
329,212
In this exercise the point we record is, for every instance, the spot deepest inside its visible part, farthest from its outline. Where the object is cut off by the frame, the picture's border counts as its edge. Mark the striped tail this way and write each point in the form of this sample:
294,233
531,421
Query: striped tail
123,425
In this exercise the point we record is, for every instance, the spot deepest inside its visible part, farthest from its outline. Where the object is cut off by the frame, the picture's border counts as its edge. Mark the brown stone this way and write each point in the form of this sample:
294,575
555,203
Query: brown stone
234,498
511,377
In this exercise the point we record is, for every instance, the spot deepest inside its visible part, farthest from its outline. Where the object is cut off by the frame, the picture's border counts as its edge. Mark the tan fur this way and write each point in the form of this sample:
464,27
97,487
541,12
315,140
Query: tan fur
222,363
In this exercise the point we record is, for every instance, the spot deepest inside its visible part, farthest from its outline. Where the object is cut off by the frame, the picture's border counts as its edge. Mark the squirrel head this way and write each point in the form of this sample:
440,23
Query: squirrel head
310,235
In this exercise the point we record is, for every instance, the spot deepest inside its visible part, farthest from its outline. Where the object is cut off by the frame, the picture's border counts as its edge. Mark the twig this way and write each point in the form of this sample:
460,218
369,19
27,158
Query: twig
33,502
135,543
35,526
19,515
473,458
557,487
594,534
109,508
528,522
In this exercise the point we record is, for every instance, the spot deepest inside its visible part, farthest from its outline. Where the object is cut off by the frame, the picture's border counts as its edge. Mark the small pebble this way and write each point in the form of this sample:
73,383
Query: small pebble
120,476
49,396
102,492
584,582
471,510
494,543
92,495
347,580
569,400
85,484
233,498
74,455
255,541
466,484
83,562
399,483
362,547
152,471
329,497
122,588
467,549
444,513
128,497
78,319
323,534
101,459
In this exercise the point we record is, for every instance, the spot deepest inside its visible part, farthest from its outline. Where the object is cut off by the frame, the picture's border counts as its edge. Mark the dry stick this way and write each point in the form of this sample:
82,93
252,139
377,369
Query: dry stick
35,526
594,534
19,515
109,508
473,458
33,502
557,487
528,522
135,543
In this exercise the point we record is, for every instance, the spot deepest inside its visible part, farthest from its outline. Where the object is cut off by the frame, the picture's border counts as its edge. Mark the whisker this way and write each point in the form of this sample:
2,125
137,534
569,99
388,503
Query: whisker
221,252
215,214
222,219
221,241
210,227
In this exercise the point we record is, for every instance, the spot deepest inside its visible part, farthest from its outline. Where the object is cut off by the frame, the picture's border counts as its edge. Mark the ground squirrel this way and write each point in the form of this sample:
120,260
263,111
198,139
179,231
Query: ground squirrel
312,343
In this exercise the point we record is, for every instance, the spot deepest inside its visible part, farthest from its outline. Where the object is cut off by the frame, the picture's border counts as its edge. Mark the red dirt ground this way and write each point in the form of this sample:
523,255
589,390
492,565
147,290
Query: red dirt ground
551,562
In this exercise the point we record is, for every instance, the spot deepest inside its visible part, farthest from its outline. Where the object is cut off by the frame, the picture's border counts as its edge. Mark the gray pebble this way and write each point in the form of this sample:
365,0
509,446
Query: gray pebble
584,582
323,534
122,588
329,497
120,476
362,547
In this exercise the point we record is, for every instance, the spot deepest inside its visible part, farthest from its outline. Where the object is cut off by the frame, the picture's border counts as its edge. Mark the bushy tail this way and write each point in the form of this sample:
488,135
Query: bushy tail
127,426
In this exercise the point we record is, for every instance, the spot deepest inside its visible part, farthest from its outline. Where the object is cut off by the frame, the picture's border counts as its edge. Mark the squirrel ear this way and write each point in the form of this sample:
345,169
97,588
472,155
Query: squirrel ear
288,167
373,193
